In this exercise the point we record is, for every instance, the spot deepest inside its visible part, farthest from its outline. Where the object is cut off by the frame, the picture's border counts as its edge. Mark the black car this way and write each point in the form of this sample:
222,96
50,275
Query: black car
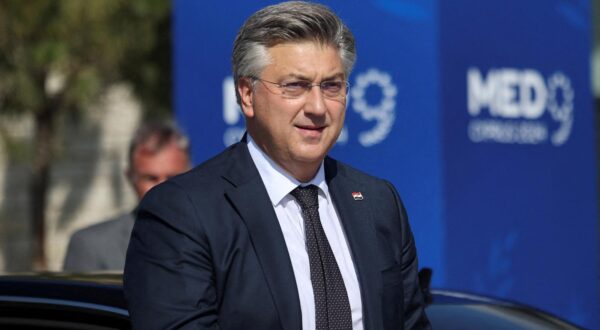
60,301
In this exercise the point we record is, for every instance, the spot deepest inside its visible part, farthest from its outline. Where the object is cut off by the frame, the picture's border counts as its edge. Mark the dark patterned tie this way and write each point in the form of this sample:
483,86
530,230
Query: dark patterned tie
331,300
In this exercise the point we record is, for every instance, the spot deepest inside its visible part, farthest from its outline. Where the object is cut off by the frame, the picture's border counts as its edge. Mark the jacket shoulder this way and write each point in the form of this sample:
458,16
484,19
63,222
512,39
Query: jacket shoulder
213,170
335,168
107,227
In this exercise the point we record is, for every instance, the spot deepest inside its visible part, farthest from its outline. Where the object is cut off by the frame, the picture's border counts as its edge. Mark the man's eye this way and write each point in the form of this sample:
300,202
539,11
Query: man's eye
148,177
332,86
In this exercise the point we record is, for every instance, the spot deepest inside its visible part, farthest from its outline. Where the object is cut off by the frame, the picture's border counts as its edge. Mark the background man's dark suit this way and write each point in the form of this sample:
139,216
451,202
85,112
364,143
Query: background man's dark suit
212,243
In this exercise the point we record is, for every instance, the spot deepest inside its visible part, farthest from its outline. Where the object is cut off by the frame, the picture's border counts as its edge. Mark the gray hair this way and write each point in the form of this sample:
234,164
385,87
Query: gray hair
152,137
292,21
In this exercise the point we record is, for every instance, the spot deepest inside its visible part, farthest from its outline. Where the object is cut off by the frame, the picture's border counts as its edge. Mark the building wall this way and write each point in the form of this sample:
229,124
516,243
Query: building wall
87,181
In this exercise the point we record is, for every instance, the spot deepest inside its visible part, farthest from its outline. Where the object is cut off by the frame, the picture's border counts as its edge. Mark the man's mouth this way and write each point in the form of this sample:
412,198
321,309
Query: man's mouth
310,130
311,127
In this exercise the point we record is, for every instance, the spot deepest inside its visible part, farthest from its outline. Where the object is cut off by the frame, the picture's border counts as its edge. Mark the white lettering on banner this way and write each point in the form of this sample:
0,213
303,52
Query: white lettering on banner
516,101
231,110
492,130
562,113
383,113
507,93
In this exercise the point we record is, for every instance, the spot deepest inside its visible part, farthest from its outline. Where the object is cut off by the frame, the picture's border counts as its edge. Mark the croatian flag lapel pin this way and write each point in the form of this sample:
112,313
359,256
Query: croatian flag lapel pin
357,195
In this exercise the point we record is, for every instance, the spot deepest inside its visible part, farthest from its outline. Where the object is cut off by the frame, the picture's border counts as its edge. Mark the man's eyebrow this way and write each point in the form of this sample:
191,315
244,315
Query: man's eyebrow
339,75
335,76
296,76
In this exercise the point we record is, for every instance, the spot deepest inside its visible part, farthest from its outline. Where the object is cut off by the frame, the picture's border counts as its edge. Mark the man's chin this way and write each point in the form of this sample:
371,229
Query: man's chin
311,154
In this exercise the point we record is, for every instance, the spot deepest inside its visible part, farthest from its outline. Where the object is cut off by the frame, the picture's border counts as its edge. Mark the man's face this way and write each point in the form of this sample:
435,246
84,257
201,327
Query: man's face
297,132
150,169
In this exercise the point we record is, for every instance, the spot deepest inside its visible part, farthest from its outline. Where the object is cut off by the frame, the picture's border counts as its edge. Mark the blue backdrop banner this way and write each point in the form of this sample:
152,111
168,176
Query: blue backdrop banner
519,157
479,112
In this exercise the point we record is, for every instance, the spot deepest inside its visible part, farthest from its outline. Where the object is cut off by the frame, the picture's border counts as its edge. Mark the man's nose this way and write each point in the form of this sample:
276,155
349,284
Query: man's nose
315,102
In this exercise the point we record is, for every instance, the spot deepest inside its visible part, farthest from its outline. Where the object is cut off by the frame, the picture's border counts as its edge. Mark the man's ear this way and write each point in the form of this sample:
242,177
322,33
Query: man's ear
245,88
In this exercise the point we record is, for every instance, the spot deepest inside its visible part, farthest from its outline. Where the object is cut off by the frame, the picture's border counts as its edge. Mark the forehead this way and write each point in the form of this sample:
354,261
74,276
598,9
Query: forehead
169,155
304,58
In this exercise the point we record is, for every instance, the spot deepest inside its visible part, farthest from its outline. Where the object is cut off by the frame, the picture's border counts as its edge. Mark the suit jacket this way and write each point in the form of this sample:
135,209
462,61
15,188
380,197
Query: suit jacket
101,246
207,251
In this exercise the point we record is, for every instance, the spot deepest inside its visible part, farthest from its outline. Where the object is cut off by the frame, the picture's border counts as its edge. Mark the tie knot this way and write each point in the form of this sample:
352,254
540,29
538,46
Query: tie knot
306,196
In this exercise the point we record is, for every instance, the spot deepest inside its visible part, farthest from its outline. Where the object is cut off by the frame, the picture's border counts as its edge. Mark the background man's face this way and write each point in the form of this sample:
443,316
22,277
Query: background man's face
299,131
150,169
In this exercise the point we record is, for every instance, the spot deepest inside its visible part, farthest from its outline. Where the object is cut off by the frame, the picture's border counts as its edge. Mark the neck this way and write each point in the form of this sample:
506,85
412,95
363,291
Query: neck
302,172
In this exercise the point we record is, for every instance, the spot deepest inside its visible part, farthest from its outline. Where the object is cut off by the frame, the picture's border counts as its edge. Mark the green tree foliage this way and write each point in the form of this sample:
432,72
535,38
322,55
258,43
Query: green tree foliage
57,57
596,51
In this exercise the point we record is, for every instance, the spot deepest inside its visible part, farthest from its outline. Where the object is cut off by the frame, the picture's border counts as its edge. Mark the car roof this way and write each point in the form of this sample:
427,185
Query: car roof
103,290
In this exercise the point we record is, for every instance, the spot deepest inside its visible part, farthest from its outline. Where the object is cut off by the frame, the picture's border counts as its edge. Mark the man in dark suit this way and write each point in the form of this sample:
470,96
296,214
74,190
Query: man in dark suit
272,233
157,152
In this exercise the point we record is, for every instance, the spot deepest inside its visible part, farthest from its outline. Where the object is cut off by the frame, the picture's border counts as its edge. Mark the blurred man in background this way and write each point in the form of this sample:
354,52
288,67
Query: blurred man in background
157,152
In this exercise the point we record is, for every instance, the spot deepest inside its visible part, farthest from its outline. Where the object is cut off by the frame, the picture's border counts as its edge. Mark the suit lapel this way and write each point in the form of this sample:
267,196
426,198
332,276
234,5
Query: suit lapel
250,198
356,219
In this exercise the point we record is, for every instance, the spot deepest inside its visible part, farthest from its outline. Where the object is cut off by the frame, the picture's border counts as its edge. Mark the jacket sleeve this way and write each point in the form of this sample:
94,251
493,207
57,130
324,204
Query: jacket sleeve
80,255
414,316
169,278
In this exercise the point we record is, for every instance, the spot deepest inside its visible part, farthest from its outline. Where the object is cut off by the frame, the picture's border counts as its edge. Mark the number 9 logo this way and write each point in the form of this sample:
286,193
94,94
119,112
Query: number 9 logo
383,113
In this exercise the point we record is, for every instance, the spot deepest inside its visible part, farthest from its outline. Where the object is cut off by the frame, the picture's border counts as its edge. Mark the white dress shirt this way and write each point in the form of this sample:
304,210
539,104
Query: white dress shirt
279,184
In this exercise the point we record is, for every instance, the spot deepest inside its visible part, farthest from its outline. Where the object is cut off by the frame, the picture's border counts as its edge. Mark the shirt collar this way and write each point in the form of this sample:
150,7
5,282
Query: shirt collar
279,182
